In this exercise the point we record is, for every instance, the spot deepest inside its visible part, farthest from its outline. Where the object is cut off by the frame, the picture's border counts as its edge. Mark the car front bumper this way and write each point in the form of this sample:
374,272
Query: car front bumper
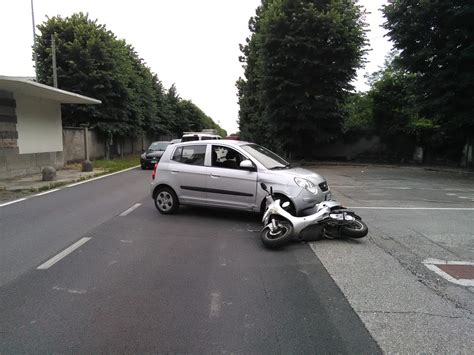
306,200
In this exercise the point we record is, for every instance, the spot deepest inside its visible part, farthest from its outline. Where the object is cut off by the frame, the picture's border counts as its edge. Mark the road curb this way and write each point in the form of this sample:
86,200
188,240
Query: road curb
419,167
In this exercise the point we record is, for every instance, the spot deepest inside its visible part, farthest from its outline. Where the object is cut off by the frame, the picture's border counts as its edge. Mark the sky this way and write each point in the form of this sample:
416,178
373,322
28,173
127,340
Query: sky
193,44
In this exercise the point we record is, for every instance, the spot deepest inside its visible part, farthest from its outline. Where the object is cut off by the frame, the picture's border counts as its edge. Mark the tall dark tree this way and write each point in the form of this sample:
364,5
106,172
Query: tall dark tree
300,60
253,124
436,43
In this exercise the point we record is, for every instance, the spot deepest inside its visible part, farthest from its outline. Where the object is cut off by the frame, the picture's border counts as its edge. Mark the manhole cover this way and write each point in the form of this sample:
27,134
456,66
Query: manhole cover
458,272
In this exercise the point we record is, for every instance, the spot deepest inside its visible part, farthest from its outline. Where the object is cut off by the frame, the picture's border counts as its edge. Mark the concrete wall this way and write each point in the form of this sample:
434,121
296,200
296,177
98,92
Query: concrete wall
73,138
38,124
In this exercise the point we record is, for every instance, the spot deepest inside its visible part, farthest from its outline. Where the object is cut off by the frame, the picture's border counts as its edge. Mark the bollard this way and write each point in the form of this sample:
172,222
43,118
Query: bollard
49,173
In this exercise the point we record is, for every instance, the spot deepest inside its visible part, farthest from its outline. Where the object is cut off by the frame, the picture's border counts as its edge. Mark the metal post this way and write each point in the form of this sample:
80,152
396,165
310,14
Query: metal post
53,54
34,40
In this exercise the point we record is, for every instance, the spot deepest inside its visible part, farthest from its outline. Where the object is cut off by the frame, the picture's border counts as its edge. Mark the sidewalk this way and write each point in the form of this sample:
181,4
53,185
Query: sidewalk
11,189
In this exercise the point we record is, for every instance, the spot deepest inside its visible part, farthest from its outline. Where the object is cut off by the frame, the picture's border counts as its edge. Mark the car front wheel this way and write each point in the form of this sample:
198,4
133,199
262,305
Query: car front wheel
166,200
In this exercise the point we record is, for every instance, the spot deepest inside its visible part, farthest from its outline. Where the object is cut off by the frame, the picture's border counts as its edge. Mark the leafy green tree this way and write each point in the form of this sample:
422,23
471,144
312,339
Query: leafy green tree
436,43
396,112
91,61
187,116
359,116
254,125
300,60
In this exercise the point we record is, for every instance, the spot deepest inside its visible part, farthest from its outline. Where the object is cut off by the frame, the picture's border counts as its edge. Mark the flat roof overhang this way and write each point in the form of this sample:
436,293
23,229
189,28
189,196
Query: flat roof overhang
29,87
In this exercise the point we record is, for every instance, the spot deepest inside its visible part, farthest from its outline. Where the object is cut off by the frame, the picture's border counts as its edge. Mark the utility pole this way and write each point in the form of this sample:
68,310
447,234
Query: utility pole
34,39
53,53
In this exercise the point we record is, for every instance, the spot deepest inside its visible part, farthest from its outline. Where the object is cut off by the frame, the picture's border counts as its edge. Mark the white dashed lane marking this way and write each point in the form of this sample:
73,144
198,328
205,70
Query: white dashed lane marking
215,308
130,210
63,254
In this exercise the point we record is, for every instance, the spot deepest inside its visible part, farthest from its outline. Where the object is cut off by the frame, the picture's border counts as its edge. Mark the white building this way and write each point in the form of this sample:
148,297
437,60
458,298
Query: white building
31,126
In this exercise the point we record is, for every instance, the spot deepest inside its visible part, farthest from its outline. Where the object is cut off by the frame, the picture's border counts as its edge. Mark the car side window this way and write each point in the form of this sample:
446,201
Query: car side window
190,154
225,157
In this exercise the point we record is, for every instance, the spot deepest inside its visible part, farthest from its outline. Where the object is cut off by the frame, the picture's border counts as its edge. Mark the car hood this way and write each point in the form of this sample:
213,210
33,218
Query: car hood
156,154
299,172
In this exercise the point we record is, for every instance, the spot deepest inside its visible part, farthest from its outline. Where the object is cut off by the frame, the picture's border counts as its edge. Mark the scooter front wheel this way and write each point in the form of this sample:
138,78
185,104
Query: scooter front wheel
278,238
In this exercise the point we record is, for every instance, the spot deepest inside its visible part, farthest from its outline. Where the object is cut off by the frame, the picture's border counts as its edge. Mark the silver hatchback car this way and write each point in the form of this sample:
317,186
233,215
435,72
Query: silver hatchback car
228,173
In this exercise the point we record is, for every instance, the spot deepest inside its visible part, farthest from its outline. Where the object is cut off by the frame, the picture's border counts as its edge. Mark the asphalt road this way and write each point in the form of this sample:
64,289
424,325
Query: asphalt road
199,281
413,215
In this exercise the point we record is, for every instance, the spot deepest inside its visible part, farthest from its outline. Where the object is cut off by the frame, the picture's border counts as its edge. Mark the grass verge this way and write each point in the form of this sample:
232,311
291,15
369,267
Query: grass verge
111,166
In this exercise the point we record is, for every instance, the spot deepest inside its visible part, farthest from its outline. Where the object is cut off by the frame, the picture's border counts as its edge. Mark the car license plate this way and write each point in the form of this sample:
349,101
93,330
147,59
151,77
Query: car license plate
153,161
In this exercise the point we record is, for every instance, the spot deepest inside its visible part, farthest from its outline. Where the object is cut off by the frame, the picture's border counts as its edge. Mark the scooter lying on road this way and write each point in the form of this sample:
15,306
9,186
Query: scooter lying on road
331,220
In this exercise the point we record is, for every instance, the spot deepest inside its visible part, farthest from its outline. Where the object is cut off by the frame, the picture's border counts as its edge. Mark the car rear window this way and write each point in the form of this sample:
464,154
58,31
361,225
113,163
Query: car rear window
190,154
190,138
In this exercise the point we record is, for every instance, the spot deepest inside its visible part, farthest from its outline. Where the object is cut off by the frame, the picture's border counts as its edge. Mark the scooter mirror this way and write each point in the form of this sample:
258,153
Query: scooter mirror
264,186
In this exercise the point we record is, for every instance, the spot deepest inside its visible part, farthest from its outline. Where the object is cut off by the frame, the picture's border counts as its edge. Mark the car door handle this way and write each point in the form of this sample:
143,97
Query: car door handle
215,176
174,171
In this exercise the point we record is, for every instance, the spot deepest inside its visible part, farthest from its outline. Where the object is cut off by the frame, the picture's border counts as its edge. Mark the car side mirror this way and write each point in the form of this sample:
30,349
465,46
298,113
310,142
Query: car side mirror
247,165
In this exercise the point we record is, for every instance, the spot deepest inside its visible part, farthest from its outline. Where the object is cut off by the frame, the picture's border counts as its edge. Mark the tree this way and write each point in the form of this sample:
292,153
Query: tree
396,113
91,61
436,43
359,117
300,60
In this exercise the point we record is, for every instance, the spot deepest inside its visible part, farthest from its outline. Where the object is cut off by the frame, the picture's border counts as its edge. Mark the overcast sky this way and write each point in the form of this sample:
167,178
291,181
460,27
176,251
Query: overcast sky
194,44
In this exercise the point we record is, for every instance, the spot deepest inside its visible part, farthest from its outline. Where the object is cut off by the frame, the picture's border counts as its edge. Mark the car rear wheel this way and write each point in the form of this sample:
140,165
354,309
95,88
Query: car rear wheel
356,229
166,200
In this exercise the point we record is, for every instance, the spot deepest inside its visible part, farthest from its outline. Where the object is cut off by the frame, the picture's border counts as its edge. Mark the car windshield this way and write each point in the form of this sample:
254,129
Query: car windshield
158,146
266,157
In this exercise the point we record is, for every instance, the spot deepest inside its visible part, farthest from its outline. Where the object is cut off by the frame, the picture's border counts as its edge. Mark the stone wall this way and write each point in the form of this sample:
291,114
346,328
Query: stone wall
8,121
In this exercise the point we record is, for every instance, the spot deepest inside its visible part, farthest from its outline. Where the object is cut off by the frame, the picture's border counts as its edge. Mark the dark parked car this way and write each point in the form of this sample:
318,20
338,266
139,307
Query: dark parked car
153,154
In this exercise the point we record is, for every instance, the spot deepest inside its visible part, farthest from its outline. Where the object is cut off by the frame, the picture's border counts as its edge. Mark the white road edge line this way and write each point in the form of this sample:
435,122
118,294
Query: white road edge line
413,208
101,177
12,202
130,210
47,192
63,254
66,186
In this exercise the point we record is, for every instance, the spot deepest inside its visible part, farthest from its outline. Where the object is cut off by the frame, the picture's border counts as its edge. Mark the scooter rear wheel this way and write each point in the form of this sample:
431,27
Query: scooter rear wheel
279,238
356,229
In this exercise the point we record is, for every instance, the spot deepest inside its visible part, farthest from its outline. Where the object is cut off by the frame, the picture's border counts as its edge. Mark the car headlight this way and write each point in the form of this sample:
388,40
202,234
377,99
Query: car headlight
306,184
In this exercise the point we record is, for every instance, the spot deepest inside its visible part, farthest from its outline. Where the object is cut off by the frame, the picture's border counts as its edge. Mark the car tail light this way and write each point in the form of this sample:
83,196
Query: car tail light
154,171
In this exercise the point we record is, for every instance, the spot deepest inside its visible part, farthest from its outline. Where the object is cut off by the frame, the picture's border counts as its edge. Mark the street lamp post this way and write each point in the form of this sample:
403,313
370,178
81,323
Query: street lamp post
34,39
